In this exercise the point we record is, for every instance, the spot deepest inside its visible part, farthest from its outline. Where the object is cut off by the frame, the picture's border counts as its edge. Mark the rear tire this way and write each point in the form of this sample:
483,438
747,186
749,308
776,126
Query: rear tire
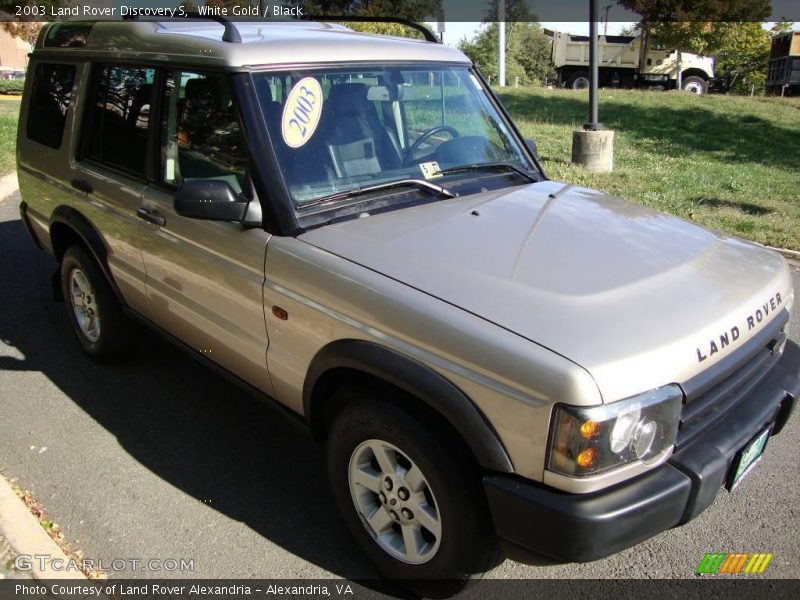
92,308
695,85
578,81
411,497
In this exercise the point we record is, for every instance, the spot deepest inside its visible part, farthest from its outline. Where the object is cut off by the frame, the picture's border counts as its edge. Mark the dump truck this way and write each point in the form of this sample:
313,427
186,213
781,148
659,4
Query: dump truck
783,76
630,62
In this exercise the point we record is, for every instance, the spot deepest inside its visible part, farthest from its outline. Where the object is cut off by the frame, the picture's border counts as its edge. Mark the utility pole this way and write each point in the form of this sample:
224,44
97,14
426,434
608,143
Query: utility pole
593,147
501,43
594,72
605,23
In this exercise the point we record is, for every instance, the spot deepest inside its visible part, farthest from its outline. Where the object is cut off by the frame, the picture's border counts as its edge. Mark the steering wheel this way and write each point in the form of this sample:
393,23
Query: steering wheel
409,155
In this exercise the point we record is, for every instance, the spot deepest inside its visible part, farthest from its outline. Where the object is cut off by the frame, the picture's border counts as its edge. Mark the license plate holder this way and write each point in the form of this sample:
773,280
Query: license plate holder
747,458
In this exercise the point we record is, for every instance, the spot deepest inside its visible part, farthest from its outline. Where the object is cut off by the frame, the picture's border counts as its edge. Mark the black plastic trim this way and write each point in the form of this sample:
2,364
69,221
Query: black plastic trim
708,459
91,238
582,528
23,215
277,207
419,381
585,527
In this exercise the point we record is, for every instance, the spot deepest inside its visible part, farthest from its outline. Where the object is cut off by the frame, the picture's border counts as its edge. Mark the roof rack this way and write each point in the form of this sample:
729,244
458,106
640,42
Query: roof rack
427,33
232,34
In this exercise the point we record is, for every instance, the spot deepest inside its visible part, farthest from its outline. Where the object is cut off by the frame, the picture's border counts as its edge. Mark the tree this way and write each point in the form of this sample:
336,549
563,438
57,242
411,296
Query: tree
527,52
782,26
694,11
411,10
27,27
728,29
516,11
742,51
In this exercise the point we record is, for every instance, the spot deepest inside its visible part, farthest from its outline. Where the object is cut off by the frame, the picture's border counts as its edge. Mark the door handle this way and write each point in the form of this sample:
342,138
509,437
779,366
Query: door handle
145,214
82,185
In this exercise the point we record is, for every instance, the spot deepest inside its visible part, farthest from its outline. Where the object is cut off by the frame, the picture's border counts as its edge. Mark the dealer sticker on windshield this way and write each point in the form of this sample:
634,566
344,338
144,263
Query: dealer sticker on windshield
430,169
301,112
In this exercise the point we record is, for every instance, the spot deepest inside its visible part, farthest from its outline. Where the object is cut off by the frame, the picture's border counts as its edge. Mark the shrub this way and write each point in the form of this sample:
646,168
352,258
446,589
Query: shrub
11,86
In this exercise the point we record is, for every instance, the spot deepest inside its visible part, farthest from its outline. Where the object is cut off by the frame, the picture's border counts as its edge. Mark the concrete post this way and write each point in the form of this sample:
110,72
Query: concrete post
593,149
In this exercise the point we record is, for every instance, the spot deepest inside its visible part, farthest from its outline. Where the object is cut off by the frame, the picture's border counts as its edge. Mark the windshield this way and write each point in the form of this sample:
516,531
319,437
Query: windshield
343,130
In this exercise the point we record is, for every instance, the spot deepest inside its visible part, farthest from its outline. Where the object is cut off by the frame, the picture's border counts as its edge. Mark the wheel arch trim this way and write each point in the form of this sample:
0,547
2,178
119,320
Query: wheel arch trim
89,236
416,379
695,72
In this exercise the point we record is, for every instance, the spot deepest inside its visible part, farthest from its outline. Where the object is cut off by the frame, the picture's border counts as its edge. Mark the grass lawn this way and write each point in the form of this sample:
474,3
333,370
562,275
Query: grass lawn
727,162
9,115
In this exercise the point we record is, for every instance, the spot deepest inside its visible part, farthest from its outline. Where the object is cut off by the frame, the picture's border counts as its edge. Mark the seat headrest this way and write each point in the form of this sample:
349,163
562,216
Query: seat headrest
348,97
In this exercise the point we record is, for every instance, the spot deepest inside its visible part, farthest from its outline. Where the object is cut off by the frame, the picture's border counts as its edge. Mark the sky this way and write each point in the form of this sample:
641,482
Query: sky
455,30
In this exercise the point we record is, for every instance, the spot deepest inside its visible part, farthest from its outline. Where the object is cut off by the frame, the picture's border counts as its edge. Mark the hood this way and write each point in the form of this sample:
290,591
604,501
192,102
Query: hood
637,298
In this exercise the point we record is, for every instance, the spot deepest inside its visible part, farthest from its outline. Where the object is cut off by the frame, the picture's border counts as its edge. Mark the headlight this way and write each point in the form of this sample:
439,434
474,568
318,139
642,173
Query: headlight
588,441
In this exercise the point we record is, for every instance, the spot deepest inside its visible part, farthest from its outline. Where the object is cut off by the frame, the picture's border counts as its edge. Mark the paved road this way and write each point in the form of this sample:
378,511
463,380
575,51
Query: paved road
161,459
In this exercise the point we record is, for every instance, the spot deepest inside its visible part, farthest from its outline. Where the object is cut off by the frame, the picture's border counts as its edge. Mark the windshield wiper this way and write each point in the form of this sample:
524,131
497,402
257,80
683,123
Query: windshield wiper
495,166
358,191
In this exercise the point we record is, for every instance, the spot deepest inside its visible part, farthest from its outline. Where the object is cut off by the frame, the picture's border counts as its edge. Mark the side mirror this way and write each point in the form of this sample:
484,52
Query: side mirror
532,148
210,199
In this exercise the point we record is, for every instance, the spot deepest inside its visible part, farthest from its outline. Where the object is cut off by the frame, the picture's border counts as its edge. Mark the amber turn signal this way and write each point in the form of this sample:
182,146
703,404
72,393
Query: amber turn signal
589,429
587,458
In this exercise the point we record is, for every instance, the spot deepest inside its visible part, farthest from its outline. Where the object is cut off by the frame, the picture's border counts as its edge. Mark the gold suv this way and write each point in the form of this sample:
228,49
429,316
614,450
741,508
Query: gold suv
351,226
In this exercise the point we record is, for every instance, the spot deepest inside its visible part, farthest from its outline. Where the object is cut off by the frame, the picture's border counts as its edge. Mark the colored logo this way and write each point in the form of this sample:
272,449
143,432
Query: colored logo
735,563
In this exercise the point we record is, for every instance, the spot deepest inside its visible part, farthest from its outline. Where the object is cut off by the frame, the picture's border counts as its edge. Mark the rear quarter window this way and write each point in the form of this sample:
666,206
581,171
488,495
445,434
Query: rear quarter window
50,98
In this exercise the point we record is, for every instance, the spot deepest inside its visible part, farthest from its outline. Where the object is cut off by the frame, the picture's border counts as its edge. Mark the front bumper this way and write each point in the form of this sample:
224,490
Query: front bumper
585,527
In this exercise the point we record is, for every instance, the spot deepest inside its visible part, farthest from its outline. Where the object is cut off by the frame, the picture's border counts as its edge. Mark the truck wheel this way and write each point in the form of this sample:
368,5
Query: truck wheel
578,81
694,84
411,497
92,308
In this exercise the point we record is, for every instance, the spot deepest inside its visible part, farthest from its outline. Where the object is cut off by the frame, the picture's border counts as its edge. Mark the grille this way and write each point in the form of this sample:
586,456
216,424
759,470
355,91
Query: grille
710,395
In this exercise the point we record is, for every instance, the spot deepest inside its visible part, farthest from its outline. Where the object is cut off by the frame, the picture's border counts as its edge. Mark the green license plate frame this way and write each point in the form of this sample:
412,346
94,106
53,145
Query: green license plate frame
747,458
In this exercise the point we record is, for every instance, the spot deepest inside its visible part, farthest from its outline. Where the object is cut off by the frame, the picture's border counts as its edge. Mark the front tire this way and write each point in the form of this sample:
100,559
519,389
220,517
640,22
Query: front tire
410,496
695,85
92,307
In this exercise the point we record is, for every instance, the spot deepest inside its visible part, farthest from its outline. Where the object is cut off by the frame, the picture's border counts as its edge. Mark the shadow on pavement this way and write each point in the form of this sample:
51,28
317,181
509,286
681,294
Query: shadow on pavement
184,423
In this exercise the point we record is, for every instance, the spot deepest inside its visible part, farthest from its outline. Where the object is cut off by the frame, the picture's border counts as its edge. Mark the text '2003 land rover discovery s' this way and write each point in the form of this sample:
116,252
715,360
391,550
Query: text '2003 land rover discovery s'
355,229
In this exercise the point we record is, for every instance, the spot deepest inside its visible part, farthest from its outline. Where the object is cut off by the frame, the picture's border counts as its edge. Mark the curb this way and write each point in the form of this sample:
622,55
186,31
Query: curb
790,254
26,536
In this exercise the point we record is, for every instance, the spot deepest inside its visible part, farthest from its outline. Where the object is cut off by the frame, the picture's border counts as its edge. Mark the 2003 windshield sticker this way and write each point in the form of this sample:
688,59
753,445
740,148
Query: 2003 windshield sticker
301,112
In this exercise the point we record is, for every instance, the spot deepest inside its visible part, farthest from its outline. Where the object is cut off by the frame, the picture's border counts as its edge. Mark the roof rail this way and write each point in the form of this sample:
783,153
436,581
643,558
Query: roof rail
231,33
429,35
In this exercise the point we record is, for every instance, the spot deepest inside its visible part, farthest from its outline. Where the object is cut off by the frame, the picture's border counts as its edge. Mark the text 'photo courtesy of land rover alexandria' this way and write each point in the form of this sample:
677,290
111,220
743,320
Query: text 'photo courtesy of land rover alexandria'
350,226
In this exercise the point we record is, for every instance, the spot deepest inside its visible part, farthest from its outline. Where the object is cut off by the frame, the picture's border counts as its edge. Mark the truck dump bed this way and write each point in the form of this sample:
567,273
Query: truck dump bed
614,50
784,63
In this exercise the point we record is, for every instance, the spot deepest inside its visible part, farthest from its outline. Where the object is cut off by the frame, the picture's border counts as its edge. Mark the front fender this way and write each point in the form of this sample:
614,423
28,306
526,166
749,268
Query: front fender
416,379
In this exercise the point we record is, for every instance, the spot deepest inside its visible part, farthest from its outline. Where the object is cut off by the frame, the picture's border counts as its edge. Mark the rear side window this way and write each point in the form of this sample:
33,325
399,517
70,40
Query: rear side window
50,97
116,134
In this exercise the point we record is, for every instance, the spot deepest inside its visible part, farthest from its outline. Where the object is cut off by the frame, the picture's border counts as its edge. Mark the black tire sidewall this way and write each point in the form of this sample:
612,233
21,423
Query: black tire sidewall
692,78
574,77
468,545
109,344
